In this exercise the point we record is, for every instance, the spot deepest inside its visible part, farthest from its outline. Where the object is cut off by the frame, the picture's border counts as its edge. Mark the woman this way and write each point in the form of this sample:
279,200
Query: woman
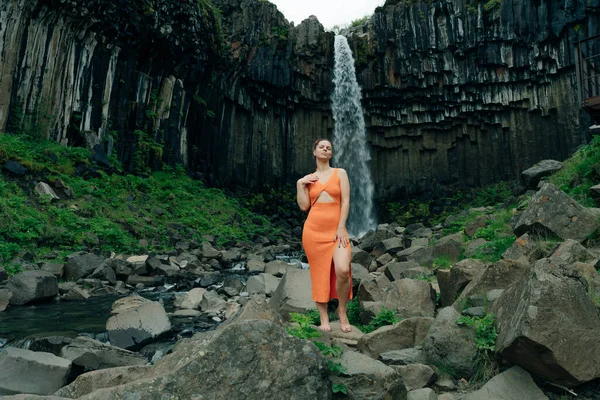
327,194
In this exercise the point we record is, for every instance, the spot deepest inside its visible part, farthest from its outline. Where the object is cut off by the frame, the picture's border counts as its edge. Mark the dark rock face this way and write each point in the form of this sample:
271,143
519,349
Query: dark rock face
453,93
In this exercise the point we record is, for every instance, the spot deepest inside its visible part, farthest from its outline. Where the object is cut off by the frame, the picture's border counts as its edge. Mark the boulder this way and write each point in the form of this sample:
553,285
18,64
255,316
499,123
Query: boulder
135,321
92,354
394,270
56,269
5,296
15,168
278,268
391,245
192,299
411,355
32,286
257,308
104,378
403,335
255,266
359,256
373,238
254,359
262,284
572,251
547,324
77,293
80,265
453,281
106,273
294,294
532,176
422,394
367,379
499,275
416,376
208,251
514,383
26,371
373,290
448,343
551,210
212,302
359,274
411,298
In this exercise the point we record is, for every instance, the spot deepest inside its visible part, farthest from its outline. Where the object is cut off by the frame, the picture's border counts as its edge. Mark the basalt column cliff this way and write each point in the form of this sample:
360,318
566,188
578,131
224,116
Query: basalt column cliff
455,92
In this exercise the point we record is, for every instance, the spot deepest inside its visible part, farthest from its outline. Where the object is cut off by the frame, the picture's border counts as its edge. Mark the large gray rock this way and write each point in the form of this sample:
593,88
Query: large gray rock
136,321
513,384
450,344
80,265
403,335
92,354
359,256
499,275
104,378
294,294
5,296
373,238
26,371
453,281
391,245
416,376
548,325
532,176
31,286
262,284
449,246
412,355
192,299
368,379
422,394
572,251
254,359
394,270
551,210
257,308
411,298
106,273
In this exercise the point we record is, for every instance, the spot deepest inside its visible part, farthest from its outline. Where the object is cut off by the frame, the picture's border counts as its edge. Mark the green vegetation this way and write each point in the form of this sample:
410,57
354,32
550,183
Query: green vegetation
360,21
580,172
435,212
485,340
488,5
113,211
384,317
304,330
280,32
442,262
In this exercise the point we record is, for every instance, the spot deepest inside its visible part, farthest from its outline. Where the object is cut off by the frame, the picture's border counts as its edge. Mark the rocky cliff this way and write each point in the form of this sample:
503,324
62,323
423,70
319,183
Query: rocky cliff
461,92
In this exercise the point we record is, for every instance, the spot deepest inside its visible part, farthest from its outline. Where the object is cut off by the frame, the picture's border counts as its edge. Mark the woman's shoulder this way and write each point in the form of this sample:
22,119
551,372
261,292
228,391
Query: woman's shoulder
341,171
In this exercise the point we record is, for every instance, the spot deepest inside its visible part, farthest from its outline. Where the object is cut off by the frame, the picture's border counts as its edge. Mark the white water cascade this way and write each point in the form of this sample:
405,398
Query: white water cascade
349,140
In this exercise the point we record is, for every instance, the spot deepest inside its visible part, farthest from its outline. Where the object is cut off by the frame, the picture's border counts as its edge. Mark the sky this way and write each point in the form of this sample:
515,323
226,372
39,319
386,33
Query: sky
328,12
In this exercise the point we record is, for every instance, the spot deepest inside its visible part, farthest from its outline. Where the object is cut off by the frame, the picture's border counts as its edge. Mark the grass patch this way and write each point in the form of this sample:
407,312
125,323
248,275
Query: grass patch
580,172
112,212
384,317
442,262
485,340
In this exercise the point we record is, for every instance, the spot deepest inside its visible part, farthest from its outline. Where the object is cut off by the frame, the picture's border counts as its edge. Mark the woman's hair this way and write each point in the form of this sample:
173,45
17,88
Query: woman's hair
316,143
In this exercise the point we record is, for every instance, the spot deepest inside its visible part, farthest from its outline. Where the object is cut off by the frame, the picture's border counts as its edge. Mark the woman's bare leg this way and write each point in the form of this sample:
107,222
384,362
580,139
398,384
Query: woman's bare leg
341,261
322,307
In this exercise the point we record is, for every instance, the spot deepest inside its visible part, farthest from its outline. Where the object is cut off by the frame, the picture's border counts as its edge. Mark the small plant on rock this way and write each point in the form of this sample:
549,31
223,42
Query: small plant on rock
485,340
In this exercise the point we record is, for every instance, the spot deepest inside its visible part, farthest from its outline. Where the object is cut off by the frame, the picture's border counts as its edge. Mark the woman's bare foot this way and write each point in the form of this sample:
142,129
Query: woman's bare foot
344,323
324,328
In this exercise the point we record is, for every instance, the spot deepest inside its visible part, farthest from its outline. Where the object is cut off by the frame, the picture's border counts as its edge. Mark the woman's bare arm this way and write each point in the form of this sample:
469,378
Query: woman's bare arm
302,196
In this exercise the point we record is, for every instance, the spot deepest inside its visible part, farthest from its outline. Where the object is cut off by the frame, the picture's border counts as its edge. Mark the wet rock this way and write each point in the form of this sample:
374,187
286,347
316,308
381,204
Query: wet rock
32,286
403,335
135,321
92,354
80,265
18,366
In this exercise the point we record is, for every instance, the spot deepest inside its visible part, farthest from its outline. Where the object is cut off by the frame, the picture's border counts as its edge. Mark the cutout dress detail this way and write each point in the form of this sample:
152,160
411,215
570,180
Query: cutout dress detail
317,238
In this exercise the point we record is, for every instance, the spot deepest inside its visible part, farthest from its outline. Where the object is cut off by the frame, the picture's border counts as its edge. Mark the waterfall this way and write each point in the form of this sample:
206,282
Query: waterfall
349,140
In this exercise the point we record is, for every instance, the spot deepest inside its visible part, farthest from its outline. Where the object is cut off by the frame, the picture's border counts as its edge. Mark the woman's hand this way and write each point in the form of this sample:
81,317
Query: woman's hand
308,179
341,237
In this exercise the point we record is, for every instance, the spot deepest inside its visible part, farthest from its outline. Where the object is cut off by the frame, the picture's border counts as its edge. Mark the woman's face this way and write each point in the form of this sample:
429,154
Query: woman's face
323,150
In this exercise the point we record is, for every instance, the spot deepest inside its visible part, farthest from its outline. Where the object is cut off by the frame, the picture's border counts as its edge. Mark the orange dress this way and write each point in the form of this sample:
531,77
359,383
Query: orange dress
317,238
